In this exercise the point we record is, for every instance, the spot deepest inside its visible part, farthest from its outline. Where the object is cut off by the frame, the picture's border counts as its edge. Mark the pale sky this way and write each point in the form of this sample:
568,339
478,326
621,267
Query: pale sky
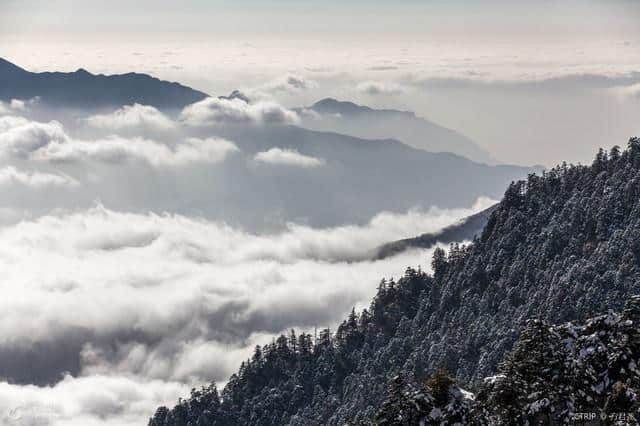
194,19
192,40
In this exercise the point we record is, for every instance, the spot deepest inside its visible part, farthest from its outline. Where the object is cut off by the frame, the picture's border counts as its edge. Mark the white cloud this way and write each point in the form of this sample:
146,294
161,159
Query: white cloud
9,175
86,401
288,157
187,300
310,114
379,88
49,142
18,105
625,92
21,137
216,111
117,150
290,83
132,116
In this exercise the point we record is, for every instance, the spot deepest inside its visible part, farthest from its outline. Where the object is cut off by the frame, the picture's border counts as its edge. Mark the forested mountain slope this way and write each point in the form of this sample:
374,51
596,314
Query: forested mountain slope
559,247
574,373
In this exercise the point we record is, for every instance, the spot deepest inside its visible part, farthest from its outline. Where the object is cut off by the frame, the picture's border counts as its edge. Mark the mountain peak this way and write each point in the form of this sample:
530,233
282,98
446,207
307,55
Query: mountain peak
328,102
370,123
332,105
8,67
236,94
86,90
82,71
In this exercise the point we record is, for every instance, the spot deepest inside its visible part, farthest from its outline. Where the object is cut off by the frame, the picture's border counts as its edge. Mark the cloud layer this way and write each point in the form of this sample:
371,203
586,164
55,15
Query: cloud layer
187,300
49,142
290,83
374,88
631,91
17,105
86,401
118,150
132,116
288,157
217,111
21,137
9,175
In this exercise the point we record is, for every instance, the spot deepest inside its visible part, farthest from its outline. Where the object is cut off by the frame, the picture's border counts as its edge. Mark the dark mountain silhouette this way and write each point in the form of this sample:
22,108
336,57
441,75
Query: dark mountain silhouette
558,248
361,121
81,89
236,94
334,106
464,230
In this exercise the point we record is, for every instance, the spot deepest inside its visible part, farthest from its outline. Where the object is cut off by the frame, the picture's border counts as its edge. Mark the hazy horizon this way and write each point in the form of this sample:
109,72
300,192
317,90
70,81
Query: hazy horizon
433,58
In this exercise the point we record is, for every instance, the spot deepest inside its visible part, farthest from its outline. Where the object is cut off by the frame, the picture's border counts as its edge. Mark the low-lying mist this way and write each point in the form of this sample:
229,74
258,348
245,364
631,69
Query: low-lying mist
108,314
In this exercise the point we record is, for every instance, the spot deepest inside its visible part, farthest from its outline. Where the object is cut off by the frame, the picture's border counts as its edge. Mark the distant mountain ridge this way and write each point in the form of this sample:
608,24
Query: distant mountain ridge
82,89
365,122
331,105
463,230
357,174
352,177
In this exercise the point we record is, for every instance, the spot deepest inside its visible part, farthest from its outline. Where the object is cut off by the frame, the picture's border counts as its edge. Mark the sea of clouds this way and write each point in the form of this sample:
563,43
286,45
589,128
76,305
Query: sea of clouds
108,313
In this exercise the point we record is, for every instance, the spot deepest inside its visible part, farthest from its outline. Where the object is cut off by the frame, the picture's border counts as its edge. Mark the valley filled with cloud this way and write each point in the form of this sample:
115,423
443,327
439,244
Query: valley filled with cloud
110,310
